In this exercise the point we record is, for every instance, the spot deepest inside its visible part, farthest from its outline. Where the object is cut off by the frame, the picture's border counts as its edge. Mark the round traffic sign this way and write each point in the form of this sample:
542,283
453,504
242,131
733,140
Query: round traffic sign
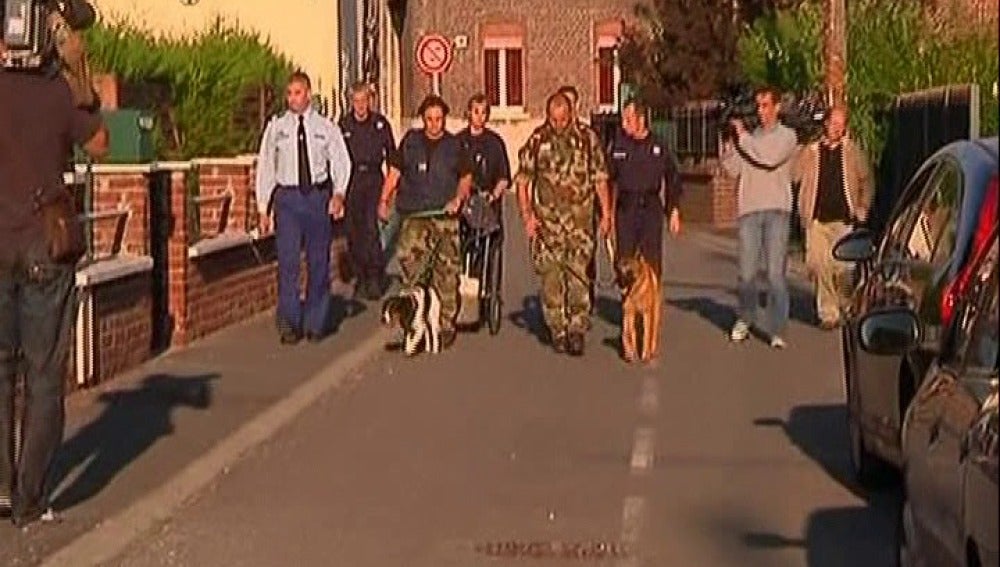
434,54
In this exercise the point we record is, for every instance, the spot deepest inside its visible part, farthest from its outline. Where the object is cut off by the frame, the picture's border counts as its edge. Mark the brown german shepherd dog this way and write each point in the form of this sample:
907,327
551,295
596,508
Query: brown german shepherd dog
641,302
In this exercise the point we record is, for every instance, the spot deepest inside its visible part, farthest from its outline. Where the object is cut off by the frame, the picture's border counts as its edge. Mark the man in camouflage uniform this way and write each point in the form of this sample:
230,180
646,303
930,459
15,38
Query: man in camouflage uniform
561,168
571,93
432,174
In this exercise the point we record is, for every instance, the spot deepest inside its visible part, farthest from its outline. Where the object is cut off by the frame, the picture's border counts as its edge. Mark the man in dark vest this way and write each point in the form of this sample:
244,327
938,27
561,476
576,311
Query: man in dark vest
430,176
369,141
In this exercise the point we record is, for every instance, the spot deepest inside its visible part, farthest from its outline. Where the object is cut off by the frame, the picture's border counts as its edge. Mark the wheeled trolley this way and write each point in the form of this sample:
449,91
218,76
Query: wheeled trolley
482,265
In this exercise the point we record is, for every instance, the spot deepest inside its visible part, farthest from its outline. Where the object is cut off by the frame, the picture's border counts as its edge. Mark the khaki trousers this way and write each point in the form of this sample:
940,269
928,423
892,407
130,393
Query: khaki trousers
832,278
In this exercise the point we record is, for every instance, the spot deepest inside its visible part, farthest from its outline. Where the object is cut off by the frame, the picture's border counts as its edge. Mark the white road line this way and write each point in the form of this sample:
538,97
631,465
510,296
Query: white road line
649,401
633,514
642,449
110,538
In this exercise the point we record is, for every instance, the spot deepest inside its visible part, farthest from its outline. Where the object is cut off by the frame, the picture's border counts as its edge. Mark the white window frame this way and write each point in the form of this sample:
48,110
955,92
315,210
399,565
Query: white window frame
502,44
611,41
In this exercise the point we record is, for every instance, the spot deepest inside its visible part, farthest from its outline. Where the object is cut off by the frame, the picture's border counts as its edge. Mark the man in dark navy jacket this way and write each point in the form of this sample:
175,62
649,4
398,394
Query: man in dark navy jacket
430,176
642,167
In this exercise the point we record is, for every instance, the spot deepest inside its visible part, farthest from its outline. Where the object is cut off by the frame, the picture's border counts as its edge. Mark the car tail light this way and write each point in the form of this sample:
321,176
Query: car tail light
984,225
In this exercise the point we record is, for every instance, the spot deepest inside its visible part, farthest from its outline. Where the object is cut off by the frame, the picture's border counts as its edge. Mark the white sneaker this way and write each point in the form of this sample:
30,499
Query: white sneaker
778,342
740,331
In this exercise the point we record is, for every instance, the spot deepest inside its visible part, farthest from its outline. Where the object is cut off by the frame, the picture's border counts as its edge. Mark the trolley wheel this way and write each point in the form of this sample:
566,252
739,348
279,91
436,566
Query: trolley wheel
494,271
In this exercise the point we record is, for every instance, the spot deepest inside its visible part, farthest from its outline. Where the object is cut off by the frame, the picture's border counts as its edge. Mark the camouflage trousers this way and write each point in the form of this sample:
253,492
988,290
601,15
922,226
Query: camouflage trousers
561,253
417,240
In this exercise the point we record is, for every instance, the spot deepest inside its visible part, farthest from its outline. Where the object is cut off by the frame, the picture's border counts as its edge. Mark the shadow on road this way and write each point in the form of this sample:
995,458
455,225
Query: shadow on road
530,318
719,315
341,309
132,421
801,307
837,537
862,535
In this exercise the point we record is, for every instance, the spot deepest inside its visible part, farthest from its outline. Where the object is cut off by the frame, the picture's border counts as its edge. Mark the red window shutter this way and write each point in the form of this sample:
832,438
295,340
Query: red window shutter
491,63
605,75
515,78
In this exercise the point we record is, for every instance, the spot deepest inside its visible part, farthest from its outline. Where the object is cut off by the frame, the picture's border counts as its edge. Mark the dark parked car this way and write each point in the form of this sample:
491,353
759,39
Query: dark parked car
915,264
949,438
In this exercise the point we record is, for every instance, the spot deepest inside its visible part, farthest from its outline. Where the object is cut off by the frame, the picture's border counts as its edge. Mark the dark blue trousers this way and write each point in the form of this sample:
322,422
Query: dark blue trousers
639,227
302,220
363,241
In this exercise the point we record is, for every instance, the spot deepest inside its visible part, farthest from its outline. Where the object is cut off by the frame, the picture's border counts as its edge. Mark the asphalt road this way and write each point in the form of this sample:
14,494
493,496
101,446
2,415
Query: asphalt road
500,452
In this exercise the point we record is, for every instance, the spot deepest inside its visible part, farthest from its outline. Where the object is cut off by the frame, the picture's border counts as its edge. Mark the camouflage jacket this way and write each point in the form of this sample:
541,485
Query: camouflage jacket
563,166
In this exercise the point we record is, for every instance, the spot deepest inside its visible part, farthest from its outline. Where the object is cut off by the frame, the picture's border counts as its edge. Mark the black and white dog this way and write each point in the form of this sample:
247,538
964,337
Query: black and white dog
417,311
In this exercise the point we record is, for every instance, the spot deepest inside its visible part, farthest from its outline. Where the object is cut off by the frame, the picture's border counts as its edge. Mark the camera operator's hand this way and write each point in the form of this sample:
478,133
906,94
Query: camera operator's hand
72,52
738,126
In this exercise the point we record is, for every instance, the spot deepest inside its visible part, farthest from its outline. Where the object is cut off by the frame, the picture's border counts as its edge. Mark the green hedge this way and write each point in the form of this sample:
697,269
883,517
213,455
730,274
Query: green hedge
208,75
893,47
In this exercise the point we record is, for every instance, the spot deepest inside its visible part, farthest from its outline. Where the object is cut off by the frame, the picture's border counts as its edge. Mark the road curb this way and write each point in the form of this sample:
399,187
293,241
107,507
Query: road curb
110,538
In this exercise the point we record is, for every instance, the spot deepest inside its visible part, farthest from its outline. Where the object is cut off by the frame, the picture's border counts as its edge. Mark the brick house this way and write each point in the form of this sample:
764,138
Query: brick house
518,52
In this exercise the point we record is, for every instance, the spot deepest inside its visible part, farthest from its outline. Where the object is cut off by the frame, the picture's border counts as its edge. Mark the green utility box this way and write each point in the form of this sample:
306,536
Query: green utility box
625,93
131,133
667,131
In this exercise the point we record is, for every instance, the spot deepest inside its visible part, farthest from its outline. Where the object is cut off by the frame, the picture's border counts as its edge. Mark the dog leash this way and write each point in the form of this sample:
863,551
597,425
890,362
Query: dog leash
609,249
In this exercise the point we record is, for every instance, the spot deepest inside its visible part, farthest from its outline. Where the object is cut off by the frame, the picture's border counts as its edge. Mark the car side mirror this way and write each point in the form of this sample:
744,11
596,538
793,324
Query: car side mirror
858,246
890,331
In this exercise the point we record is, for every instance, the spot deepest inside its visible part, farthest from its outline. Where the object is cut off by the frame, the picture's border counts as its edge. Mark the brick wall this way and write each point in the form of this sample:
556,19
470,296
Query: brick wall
230,286
219,289
115,325
122,187
709,195
123,325
559,45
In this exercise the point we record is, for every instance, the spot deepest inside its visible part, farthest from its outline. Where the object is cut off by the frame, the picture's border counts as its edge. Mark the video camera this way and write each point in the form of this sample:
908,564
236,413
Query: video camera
737,103
804,114
33,29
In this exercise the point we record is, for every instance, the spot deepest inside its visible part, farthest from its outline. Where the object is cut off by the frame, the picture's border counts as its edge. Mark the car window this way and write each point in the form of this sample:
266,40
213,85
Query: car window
906,210
932,237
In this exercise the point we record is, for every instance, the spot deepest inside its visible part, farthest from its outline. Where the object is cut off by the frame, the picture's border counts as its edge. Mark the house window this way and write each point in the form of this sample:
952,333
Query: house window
503,70
608,76
607,85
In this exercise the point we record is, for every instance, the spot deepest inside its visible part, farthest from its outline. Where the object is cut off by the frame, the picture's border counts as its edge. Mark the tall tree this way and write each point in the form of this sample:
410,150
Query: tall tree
679,50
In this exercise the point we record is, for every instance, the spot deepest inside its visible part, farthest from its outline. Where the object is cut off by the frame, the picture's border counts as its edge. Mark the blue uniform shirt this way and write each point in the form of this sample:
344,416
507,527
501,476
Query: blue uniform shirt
369,141
278,165
645,166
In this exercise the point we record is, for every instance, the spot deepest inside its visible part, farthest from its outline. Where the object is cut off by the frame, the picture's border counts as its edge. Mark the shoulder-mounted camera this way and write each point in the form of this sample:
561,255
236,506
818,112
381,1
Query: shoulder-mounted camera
33,30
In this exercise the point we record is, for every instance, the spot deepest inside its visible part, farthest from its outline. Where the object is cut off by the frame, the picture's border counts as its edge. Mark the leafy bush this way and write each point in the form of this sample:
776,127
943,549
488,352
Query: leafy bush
893,47
209,77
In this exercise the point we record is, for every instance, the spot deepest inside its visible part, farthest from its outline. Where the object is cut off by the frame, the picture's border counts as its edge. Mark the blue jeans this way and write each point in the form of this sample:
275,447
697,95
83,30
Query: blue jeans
302,220
764,245
37,306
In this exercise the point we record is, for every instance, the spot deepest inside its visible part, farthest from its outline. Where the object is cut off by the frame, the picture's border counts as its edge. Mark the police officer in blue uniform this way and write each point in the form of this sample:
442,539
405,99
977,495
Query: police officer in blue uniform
488,152
369,141
302,175
642,166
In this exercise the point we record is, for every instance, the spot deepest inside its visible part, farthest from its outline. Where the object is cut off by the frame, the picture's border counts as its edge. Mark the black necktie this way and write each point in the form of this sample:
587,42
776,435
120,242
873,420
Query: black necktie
305,177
